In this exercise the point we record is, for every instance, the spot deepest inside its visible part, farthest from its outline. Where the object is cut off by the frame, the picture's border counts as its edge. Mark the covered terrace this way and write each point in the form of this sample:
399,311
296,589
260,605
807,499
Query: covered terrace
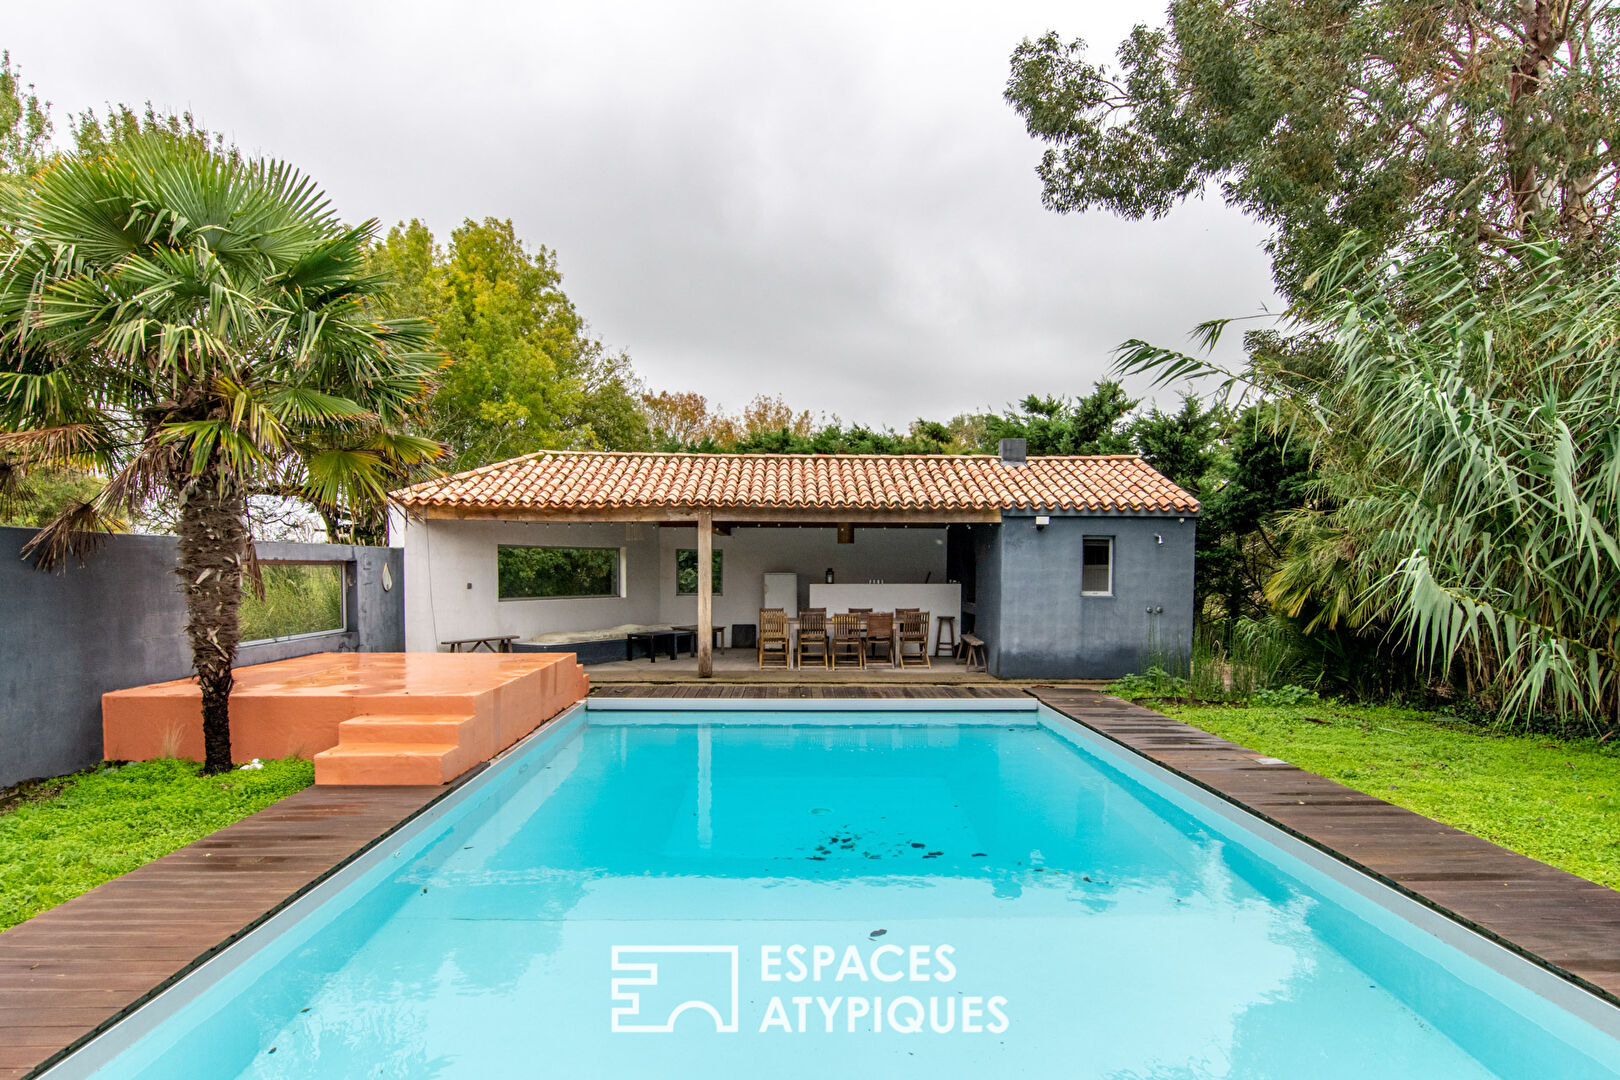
1064,566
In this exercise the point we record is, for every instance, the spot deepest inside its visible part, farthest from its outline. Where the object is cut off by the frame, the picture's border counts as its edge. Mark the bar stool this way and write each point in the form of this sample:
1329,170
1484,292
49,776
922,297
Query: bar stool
944,623
719,637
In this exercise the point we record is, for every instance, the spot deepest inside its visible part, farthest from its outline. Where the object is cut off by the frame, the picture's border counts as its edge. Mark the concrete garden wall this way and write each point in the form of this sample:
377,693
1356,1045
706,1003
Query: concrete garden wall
119,621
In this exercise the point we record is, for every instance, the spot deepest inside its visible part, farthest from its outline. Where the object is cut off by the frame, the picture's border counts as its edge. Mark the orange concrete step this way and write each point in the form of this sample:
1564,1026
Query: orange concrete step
428,728
392,763
392,749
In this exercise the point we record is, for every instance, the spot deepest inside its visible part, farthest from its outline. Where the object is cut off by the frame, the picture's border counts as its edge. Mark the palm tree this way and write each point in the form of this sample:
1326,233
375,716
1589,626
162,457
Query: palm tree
190,324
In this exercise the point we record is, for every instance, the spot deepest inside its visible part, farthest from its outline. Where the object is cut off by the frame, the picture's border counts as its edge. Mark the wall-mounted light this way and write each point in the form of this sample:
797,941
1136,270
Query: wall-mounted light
1042,521
1158,538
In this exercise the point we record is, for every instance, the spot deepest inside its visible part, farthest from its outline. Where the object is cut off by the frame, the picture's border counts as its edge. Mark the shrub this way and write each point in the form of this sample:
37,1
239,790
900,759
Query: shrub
1152,683
1291,694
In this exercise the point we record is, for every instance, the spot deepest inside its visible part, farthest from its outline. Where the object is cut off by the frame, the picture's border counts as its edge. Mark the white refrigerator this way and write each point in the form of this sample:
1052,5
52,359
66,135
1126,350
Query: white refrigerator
782,591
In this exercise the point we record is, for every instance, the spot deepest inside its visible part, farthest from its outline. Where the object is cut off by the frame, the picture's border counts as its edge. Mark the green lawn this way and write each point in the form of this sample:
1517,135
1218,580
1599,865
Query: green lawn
1553,800
56,844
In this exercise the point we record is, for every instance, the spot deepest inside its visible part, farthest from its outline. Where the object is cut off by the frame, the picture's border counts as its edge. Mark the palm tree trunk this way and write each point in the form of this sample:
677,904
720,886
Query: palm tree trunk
213,548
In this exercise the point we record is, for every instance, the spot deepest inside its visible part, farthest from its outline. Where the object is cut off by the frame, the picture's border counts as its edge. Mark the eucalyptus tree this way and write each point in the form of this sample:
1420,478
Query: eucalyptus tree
186,322
1494,120
1464,429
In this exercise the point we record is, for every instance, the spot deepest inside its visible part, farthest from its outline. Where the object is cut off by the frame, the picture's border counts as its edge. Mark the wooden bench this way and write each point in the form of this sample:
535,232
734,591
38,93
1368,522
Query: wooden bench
973,652
494,643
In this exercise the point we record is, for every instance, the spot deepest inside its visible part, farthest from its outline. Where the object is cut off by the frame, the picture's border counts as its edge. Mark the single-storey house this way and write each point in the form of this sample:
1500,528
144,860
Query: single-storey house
1066,567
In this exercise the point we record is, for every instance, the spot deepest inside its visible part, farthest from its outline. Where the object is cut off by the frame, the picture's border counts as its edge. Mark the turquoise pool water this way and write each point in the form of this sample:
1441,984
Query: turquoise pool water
851,894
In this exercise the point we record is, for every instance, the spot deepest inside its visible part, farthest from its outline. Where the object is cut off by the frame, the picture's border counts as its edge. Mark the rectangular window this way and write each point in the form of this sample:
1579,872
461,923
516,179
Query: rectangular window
299,598
686,568
1097,566
530,572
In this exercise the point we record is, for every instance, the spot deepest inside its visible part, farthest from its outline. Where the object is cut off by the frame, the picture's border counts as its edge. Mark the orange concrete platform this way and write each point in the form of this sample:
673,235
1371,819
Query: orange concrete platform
364,718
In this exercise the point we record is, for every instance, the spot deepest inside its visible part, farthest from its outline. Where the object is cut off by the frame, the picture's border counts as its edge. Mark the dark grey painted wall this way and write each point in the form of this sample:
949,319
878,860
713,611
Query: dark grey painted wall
119,621
986,613
1034,620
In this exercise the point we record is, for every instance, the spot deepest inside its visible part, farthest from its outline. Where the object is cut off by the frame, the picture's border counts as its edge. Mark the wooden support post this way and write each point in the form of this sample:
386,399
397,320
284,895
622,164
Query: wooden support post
705,561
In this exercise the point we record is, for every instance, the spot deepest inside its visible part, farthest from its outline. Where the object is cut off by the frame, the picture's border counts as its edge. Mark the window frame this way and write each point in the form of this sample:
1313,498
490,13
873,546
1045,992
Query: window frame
1084,542
346,573
618,572
720,578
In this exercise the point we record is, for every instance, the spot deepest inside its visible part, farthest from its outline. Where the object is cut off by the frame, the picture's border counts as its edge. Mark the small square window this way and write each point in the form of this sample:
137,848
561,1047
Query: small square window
1097,566
686,568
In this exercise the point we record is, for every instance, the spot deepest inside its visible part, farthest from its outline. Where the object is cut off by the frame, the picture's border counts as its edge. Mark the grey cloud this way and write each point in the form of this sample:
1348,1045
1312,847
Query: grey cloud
831,204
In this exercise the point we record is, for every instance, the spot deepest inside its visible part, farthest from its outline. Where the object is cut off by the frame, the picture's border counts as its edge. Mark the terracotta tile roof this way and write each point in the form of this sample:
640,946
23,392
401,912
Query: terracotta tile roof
568,481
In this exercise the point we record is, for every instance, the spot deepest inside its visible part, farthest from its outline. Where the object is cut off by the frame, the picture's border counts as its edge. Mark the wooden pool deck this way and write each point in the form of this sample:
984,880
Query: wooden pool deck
66,974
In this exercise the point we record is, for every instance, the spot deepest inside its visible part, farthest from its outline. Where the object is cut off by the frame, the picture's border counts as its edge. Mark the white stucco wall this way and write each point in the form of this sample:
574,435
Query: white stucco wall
444,557
894,555
451,580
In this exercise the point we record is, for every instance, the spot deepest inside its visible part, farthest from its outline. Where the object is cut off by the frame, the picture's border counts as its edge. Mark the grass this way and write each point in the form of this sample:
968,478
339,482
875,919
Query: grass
299,598
1551,799
63,837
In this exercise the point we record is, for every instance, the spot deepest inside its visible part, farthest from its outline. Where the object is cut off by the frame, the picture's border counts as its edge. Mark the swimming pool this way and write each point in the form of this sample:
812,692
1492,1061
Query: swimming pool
922,889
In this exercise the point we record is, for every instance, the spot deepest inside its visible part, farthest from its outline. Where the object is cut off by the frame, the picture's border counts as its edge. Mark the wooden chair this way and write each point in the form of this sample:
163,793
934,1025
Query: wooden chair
813,636
846,638
880,636
773,637
860,611
913,632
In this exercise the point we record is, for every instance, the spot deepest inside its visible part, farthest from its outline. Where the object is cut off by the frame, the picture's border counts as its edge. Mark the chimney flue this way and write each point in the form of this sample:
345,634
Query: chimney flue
1014,451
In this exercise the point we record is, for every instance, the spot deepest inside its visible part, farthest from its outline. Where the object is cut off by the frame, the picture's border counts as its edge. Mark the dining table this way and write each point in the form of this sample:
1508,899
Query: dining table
793,636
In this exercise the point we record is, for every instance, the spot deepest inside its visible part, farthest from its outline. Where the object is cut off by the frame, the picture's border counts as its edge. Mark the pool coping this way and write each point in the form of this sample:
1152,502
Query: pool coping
1574,923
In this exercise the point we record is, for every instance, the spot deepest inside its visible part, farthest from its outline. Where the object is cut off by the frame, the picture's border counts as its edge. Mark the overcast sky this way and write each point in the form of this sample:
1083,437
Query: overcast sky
829,202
